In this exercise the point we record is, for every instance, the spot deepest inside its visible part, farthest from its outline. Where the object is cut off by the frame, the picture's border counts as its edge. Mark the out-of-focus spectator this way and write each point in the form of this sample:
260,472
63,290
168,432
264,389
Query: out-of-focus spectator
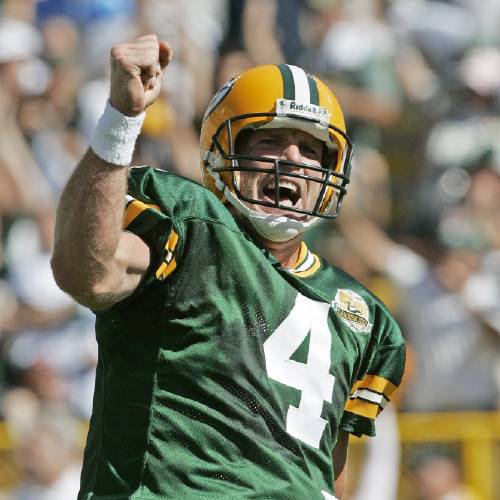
101,23
455,357
486,16
49,345
268,31
442,30
271,30
231,63
49,456
22,186
47,120
357,56
437,477
84,12
20,44
8,304
194,29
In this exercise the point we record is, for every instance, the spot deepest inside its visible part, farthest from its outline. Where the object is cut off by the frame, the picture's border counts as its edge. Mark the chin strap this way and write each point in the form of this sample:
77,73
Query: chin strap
278,228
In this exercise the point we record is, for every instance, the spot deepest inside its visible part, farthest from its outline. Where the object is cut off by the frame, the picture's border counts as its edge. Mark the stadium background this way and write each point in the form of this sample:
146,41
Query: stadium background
419,81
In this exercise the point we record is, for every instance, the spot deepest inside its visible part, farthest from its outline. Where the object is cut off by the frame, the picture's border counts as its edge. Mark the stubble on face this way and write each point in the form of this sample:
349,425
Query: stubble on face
293,192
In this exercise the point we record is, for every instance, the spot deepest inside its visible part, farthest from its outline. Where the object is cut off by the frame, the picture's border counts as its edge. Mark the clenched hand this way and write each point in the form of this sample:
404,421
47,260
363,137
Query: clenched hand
136,71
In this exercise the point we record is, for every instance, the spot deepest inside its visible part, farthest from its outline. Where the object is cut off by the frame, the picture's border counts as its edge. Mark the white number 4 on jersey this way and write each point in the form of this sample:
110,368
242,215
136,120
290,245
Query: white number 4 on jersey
313,378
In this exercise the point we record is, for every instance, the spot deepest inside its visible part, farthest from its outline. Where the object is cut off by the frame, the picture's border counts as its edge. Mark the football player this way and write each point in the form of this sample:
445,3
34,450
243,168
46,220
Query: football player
233,361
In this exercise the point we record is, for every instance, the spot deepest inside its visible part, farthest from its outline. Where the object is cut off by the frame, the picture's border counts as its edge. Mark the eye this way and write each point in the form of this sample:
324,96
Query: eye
267,141
311,151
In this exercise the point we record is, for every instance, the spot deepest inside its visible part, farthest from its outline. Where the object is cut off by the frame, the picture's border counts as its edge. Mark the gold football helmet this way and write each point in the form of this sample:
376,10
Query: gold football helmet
275,96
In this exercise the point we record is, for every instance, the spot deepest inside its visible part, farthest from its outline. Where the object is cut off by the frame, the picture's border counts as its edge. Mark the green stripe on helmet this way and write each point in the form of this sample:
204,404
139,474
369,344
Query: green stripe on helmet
313,90
288,83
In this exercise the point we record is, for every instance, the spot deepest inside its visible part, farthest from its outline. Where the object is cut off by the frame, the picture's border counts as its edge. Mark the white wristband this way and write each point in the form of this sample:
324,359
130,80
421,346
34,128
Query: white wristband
114,137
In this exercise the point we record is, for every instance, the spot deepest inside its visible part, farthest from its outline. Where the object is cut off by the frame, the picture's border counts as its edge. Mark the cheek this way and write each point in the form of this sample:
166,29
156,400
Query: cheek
314,173
313,189
247,182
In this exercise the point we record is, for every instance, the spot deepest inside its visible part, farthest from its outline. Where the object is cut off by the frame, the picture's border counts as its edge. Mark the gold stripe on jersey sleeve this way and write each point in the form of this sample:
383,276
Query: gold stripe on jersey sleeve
363,408
172,241
169,263
309,272
166,269
134,209
377,384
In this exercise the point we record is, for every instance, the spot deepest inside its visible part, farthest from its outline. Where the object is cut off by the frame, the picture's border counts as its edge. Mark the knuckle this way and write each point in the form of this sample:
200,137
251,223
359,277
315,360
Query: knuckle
117,52
146,40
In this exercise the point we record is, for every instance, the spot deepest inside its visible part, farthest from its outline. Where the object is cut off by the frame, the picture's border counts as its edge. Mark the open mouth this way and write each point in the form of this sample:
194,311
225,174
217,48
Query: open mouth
289,193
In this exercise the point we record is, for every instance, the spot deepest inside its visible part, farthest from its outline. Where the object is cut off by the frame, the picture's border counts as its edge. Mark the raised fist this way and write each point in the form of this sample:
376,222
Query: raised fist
136,71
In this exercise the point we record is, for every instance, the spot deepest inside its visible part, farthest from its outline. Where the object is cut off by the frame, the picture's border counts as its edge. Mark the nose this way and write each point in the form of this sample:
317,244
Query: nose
292,153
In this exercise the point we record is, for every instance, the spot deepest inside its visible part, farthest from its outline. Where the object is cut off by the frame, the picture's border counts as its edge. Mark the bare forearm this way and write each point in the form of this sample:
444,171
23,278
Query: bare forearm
94,260
88,224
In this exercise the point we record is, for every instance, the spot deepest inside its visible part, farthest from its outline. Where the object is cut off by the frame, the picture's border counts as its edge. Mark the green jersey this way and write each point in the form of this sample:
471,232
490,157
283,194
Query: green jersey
225,375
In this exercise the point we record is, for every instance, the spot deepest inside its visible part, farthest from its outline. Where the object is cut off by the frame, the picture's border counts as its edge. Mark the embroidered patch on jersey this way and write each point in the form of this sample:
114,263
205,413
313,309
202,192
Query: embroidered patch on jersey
352,310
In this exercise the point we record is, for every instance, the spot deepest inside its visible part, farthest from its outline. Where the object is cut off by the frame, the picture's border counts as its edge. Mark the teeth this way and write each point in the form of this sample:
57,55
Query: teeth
289,185
284,184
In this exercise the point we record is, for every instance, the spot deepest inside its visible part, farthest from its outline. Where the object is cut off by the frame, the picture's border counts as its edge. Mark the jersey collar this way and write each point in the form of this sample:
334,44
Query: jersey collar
307,263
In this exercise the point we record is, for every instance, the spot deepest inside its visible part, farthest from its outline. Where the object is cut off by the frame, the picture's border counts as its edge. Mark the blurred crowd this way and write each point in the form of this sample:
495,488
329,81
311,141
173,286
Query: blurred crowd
419,81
